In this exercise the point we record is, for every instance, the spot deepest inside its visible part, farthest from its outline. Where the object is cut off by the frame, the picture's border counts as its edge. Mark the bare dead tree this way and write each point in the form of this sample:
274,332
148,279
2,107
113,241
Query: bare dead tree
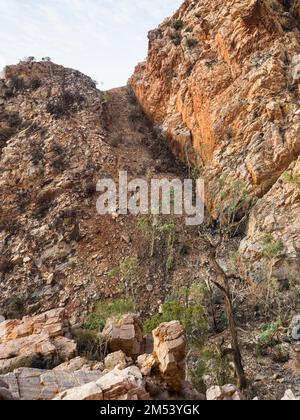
222,282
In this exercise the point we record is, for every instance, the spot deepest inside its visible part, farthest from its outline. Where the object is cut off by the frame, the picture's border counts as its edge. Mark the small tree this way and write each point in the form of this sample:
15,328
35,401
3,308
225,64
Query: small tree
222,282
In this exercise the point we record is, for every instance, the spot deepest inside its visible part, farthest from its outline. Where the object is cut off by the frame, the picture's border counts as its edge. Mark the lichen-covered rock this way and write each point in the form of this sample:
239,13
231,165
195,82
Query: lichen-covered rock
115,385
169,350
125,334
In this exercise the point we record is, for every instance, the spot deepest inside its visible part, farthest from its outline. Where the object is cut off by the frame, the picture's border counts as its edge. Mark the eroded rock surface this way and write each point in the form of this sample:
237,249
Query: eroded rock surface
126,384
169,350
46,334
125,334
36,384
222,80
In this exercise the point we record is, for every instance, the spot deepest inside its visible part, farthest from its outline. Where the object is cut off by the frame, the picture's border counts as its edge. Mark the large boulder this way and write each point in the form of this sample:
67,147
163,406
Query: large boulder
116,359
115,385
125,334
169,350
37,384
46,334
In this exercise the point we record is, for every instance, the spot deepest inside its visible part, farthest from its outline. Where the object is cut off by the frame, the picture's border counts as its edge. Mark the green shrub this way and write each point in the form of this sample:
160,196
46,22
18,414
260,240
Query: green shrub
113,273
17,84
292,178
268,332
35,84
144,225
213,364
272,247
168,227
176,39
191,42
177,24
64,104
15,307
104,310
90,344
191,317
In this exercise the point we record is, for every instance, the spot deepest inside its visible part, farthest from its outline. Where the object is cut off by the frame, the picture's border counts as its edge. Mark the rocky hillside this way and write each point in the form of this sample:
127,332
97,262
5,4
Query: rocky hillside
222,80
59,136
217,97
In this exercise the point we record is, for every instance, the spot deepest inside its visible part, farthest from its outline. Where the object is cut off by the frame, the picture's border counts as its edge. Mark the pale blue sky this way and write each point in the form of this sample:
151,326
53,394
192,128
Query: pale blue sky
104,39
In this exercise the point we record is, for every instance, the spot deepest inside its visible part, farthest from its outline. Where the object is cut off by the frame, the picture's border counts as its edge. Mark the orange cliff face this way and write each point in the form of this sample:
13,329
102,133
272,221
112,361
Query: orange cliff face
222,77
222,80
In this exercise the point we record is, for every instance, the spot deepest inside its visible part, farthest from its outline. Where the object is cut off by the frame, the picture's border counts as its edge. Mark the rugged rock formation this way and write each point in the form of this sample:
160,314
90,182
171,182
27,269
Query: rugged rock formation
116,359
125,334
46,335
169,350
118,384
59,135
272,245
36,384
222,80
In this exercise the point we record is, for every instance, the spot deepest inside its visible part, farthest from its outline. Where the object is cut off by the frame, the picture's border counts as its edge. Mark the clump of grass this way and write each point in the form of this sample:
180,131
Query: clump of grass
213,364
177,24
292,178
192,317
272,248
90,344
191,43
104,310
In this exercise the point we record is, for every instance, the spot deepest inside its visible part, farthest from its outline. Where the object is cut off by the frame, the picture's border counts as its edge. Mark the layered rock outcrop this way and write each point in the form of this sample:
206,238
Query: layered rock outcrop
222,80
46,335
126,384
169,350
125,334
36,384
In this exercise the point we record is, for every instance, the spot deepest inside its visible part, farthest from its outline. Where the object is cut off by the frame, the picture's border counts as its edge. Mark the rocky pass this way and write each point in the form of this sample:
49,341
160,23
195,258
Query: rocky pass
141,305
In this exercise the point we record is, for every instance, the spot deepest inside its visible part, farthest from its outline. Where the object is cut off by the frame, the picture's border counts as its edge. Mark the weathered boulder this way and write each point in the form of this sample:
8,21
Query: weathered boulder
115,385
125,334
146,362
224,393
37,384
116,359
45,334
169,350
80,363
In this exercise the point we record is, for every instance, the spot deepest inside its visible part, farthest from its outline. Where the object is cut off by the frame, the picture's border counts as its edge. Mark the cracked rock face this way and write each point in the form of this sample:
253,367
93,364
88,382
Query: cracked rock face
46,334
169,350
222,80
